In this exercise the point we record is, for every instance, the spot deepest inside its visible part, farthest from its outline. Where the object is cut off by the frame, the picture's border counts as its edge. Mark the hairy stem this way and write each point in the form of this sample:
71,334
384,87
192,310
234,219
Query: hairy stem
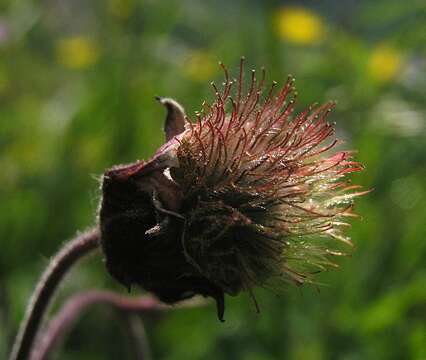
80,303
52,276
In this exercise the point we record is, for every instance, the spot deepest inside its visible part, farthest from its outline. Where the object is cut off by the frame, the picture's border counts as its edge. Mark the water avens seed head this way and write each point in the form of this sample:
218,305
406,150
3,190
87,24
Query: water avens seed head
246,193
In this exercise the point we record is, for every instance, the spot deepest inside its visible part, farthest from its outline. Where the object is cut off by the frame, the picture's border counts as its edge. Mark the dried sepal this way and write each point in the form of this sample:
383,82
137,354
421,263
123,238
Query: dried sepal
175,119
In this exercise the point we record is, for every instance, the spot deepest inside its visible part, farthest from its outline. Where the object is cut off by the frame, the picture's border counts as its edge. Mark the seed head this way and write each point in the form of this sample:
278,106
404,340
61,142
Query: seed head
247,193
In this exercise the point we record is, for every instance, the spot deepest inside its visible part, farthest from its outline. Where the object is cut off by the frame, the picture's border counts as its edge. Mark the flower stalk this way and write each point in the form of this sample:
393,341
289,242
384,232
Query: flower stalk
80,303
138,337
59,265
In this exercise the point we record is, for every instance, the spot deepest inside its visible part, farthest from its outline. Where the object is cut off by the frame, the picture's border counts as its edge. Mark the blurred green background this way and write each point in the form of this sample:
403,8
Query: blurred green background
77,86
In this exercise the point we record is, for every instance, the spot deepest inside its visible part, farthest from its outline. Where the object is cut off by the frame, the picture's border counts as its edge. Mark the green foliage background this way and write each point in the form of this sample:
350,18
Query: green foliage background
71,108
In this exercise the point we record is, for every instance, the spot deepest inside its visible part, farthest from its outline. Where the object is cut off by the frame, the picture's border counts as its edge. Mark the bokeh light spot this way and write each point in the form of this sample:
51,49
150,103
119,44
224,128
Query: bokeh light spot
200,66
120,8
77,52
384,63
299,25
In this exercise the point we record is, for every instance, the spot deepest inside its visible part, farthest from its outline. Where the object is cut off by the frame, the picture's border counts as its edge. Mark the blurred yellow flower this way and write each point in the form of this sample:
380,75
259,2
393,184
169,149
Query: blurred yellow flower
120,8
384,63
200,66
299,25
77,52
